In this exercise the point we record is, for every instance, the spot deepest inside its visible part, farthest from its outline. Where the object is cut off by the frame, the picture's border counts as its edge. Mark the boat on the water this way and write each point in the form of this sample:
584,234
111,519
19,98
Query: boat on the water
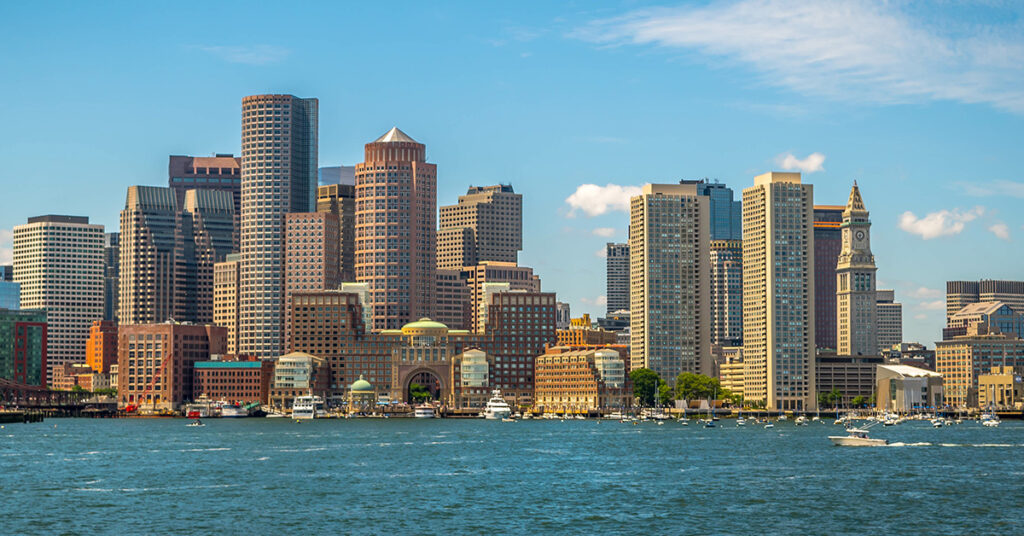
232,410
307,407
196,422
801,421
496,407
857,437
424,411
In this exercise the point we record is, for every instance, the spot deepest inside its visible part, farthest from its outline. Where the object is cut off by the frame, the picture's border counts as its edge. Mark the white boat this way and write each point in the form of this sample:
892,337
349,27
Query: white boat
769,425
308,407
496,407
741,422
424,412
993,423
801,421
857,437
230,410
783,417
508,419
195,423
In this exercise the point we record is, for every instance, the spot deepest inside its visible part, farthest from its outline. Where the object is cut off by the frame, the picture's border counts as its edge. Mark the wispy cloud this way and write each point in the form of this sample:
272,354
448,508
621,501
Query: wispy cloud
248,55
6,246
813,163
941,223
934,305
600,300
1001,230
1001,188
857,50
596,200
602,253
923,292
606,232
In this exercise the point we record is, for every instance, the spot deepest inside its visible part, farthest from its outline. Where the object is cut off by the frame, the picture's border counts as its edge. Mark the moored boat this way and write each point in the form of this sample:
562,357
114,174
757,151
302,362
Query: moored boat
496,407
424,412
308,407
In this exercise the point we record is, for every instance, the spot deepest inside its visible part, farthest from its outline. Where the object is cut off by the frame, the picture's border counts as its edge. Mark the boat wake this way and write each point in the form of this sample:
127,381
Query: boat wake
927,444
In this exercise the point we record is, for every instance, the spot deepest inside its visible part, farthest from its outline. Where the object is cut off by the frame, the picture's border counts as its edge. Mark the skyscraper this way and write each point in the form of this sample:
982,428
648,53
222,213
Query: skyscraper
219,172
727,292
279,174
670,310
960,294
340,200
778,286
726,215
856,298
10,292
59,262
310,256
485,225
890,320
167,253
396,235
111,274
827,245
225,298
617,276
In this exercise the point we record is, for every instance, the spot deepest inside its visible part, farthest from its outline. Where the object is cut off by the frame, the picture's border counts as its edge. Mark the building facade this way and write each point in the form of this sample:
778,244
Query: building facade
111,275
856,295
581,381
10,292
226,280
485,225
904,389
479,276
101,348
890,320
670,309
452,299
396,235
58,260
279,175
23,345
1002,388
964,358
617,276
221,172
725,214
310,257
727,292
960,294
340,200
778,285
828,243
851,376
233,379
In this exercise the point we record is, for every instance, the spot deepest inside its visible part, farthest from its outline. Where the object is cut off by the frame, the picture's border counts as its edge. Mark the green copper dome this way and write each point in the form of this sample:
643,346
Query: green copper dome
361,385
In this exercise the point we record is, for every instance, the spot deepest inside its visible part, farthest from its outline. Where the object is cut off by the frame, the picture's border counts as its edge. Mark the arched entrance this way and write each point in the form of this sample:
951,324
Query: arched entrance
424,382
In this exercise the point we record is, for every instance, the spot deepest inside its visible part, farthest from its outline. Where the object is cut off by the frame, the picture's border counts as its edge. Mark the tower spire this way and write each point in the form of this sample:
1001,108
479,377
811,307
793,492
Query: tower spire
855,202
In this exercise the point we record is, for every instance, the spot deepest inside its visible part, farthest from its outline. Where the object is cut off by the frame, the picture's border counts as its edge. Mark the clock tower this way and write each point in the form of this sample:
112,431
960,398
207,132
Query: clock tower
856,300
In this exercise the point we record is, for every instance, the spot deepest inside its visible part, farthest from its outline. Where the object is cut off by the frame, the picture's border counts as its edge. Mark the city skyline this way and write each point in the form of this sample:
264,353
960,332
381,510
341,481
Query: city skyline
946,159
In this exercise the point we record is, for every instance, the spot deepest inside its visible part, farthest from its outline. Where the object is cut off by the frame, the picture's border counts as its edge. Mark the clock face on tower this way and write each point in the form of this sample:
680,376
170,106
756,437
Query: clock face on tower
859,235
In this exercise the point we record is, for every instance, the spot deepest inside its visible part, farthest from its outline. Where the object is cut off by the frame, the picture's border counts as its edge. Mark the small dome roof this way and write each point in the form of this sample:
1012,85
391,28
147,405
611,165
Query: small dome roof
361,385
424,324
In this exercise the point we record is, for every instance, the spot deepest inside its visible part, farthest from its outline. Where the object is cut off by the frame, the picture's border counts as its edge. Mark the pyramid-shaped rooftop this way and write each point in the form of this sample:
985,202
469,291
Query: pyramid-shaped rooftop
855,202
394,135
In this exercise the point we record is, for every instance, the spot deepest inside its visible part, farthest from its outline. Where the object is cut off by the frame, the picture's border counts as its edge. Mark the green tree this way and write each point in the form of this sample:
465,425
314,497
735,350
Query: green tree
835,396
106,392
858,401
646,383
77,389
691,386
664,393
824,400
419,393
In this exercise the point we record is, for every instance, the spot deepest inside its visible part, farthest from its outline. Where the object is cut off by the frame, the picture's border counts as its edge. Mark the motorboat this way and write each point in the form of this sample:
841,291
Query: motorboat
783,417
992,423
196,422
307,407
769,425
857,437
496,407
801,421
508,419
424,411
741,422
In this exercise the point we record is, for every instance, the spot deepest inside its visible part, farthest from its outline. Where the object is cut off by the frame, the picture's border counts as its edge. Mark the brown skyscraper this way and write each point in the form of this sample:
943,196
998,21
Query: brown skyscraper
340,200
486,225
396,237
310,257
220,172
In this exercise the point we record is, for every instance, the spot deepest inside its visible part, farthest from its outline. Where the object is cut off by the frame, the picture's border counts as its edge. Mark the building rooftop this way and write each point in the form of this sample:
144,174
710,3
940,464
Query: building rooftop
979,308
393,136
910,372
227,364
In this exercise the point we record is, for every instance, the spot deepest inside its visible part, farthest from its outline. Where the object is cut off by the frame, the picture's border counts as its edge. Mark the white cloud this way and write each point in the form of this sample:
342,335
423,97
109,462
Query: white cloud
855,50
606,232
600,300
6,246
941,223
1002,188
920,316
1001,230
595,200
935,305
248,55
924,292
811,164
603,253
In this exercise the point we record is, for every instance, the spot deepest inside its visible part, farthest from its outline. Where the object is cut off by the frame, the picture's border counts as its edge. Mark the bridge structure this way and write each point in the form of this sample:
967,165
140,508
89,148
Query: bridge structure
34,398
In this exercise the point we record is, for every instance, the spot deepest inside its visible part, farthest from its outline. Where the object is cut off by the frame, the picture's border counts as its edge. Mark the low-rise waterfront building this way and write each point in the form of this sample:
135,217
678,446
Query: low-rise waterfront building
903,389
852,376
1001,389
580,381
730,371
582,331
101,347
910,353
298,374
963,359
233,378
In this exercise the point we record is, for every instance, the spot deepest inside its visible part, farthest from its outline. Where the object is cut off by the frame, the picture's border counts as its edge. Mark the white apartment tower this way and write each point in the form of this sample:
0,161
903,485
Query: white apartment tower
778,292
670,325
59,262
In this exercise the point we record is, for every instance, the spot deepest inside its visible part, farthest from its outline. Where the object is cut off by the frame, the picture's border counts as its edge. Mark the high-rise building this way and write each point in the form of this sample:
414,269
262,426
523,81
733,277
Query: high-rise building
727,292
485,225
517,277
58,260
340,200
828,242
890,320
219,172
310,257
452,298
960,294
226,278
725,214
101,347
778,287
396,235
670,309
336,175
856,295
10,292
111,275
167,253
563,316
520,325
279,175
617,276
23,342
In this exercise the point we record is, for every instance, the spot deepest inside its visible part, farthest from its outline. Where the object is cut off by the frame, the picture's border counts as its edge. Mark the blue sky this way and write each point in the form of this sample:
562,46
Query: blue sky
921,103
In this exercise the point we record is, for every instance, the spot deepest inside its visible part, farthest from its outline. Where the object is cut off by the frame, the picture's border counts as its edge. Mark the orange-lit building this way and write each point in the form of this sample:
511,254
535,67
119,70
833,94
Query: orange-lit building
582,332
579,381
101,347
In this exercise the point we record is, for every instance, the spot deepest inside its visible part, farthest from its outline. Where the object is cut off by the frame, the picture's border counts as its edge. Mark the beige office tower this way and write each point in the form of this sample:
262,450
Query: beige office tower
669,281
340,200
778,292
890,320
279,176
485,225
856,296
225,298
58,260
396,232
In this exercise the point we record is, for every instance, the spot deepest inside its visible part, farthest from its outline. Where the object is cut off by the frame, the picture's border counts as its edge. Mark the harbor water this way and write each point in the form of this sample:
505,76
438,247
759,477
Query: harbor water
418,476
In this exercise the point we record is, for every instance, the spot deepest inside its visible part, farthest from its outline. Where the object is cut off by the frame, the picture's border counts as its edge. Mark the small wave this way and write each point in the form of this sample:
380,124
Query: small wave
920,444
205,450
263,459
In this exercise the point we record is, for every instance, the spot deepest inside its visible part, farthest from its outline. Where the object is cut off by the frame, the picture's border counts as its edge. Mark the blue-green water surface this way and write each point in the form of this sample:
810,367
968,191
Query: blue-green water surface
405,476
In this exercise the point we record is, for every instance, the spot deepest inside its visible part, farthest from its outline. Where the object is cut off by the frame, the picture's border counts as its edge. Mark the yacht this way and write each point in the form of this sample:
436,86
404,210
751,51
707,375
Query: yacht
228,409
424,412
308,407
857,437
496,407
200,409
